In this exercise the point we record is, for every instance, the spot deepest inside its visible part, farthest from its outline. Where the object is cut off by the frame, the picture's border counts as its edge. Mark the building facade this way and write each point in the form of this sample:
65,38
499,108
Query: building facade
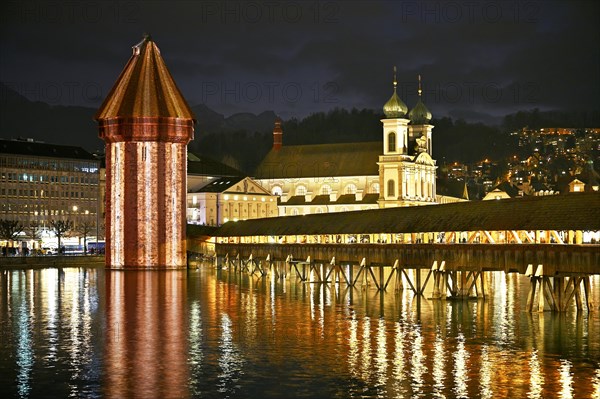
396,171
230,199
41,183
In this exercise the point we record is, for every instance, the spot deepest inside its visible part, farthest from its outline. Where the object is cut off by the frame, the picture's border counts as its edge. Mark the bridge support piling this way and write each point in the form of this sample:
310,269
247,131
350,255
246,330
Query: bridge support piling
557,292
436,294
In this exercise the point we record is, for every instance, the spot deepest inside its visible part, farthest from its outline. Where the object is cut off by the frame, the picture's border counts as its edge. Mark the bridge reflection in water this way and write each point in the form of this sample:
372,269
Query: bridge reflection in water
220,333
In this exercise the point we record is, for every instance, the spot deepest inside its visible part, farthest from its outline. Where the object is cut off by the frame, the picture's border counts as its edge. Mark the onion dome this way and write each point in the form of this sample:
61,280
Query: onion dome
395,107
419,115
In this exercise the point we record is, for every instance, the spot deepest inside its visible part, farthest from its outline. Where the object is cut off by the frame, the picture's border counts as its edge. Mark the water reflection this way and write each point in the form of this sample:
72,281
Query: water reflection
230,359
536,378
460,371
146,341
566,379
439,366
217,334
25,355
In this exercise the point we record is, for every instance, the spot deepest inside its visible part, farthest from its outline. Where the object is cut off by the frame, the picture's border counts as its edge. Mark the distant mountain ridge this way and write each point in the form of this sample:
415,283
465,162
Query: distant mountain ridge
242,140
75,125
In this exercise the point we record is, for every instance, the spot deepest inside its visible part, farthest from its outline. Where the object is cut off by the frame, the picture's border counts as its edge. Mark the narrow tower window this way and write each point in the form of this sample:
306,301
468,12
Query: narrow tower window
392,142
391,188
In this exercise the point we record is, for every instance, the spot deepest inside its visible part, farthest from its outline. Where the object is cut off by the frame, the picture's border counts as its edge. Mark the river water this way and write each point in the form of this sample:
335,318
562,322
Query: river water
207,333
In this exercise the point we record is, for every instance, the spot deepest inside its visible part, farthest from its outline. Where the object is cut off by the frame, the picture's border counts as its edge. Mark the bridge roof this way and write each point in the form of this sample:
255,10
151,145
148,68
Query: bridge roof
578,211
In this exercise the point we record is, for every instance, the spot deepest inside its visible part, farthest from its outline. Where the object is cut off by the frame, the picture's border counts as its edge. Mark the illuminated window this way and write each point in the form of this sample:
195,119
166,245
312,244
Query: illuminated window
326,189
277,191
300,190
374,189
350,189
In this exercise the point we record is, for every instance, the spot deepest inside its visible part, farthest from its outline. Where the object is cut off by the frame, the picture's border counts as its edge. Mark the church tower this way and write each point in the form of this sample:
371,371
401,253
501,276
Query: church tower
146,125
406,169
419,122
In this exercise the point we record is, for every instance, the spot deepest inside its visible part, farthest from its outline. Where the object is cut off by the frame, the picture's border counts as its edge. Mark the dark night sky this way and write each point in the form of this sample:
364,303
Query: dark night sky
479,59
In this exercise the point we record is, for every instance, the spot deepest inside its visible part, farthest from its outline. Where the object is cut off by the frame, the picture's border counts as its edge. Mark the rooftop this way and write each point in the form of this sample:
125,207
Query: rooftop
39,149
577,211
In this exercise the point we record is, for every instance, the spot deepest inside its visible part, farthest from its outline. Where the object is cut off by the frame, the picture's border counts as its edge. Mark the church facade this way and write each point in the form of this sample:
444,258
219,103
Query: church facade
396,171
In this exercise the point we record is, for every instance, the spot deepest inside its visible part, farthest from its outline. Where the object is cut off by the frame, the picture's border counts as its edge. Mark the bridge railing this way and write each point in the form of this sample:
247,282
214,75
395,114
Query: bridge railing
555,258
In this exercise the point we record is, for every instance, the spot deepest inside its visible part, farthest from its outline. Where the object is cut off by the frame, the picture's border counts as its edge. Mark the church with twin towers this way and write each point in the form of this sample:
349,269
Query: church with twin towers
397,171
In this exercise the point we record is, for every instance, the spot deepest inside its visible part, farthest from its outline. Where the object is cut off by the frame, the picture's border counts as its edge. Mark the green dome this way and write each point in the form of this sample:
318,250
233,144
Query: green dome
395,108
419,115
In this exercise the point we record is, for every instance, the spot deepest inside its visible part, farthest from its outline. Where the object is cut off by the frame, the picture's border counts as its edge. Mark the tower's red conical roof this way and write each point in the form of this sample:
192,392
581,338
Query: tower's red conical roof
145,88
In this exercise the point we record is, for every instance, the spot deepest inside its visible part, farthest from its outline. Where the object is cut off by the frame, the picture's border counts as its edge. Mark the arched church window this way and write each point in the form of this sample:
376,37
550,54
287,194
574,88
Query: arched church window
350,189
277,191
325,189
374,189
300,190
391,188
392,142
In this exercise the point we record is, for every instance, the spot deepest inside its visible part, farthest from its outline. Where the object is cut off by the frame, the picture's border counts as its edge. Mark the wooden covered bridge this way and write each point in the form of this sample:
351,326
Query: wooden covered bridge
554,240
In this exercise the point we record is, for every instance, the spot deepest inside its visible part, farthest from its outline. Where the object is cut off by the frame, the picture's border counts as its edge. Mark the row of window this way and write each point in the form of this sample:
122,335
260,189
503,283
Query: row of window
14,192
48,164
326,189
15,208
422,189
32,177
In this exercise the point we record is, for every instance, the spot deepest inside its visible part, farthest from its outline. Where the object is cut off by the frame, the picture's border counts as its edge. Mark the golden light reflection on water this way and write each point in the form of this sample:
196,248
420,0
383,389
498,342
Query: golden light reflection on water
365,354
215,334
398,361
146,340
566,380
536,379
596,384
439,366
485,382
381,358
417,362
461,370
353,346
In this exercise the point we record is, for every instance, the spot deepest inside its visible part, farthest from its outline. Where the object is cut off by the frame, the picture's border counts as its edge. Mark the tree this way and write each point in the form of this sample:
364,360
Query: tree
10,229
33,230
85,228
60,227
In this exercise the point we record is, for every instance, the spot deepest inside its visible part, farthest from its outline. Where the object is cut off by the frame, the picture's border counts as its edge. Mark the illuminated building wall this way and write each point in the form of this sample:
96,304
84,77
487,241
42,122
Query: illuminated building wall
146,125
41,182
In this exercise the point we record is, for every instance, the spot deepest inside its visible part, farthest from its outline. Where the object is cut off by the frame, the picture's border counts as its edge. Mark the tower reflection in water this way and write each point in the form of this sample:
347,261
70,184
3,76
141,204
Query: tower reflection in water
209,333
146,336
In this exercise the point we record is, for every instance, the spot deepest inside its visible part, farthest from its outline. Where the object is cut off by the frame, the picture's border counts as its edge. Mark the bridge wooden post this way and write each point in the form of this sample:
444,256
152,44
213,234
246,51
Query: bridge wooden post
443,280
398,271
587,287
364,270
463,290
436,294
482,285
288,262
533,280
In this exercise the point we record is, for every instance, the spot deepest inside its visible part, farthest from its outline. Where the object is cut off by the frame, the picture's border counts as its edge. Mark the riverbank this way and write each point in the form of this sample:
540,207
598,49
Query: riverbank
44,262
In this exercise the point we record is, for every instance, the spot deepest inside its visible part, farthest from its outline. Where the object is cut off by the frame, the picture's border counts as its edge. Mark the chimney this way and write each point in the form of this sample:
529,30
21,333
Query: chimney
277,135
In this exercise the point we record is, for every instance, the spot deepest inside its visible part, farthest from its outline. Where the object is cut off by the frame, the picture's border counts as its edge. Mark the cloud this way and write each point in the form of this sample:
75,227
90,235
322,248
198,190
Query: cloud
533,53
